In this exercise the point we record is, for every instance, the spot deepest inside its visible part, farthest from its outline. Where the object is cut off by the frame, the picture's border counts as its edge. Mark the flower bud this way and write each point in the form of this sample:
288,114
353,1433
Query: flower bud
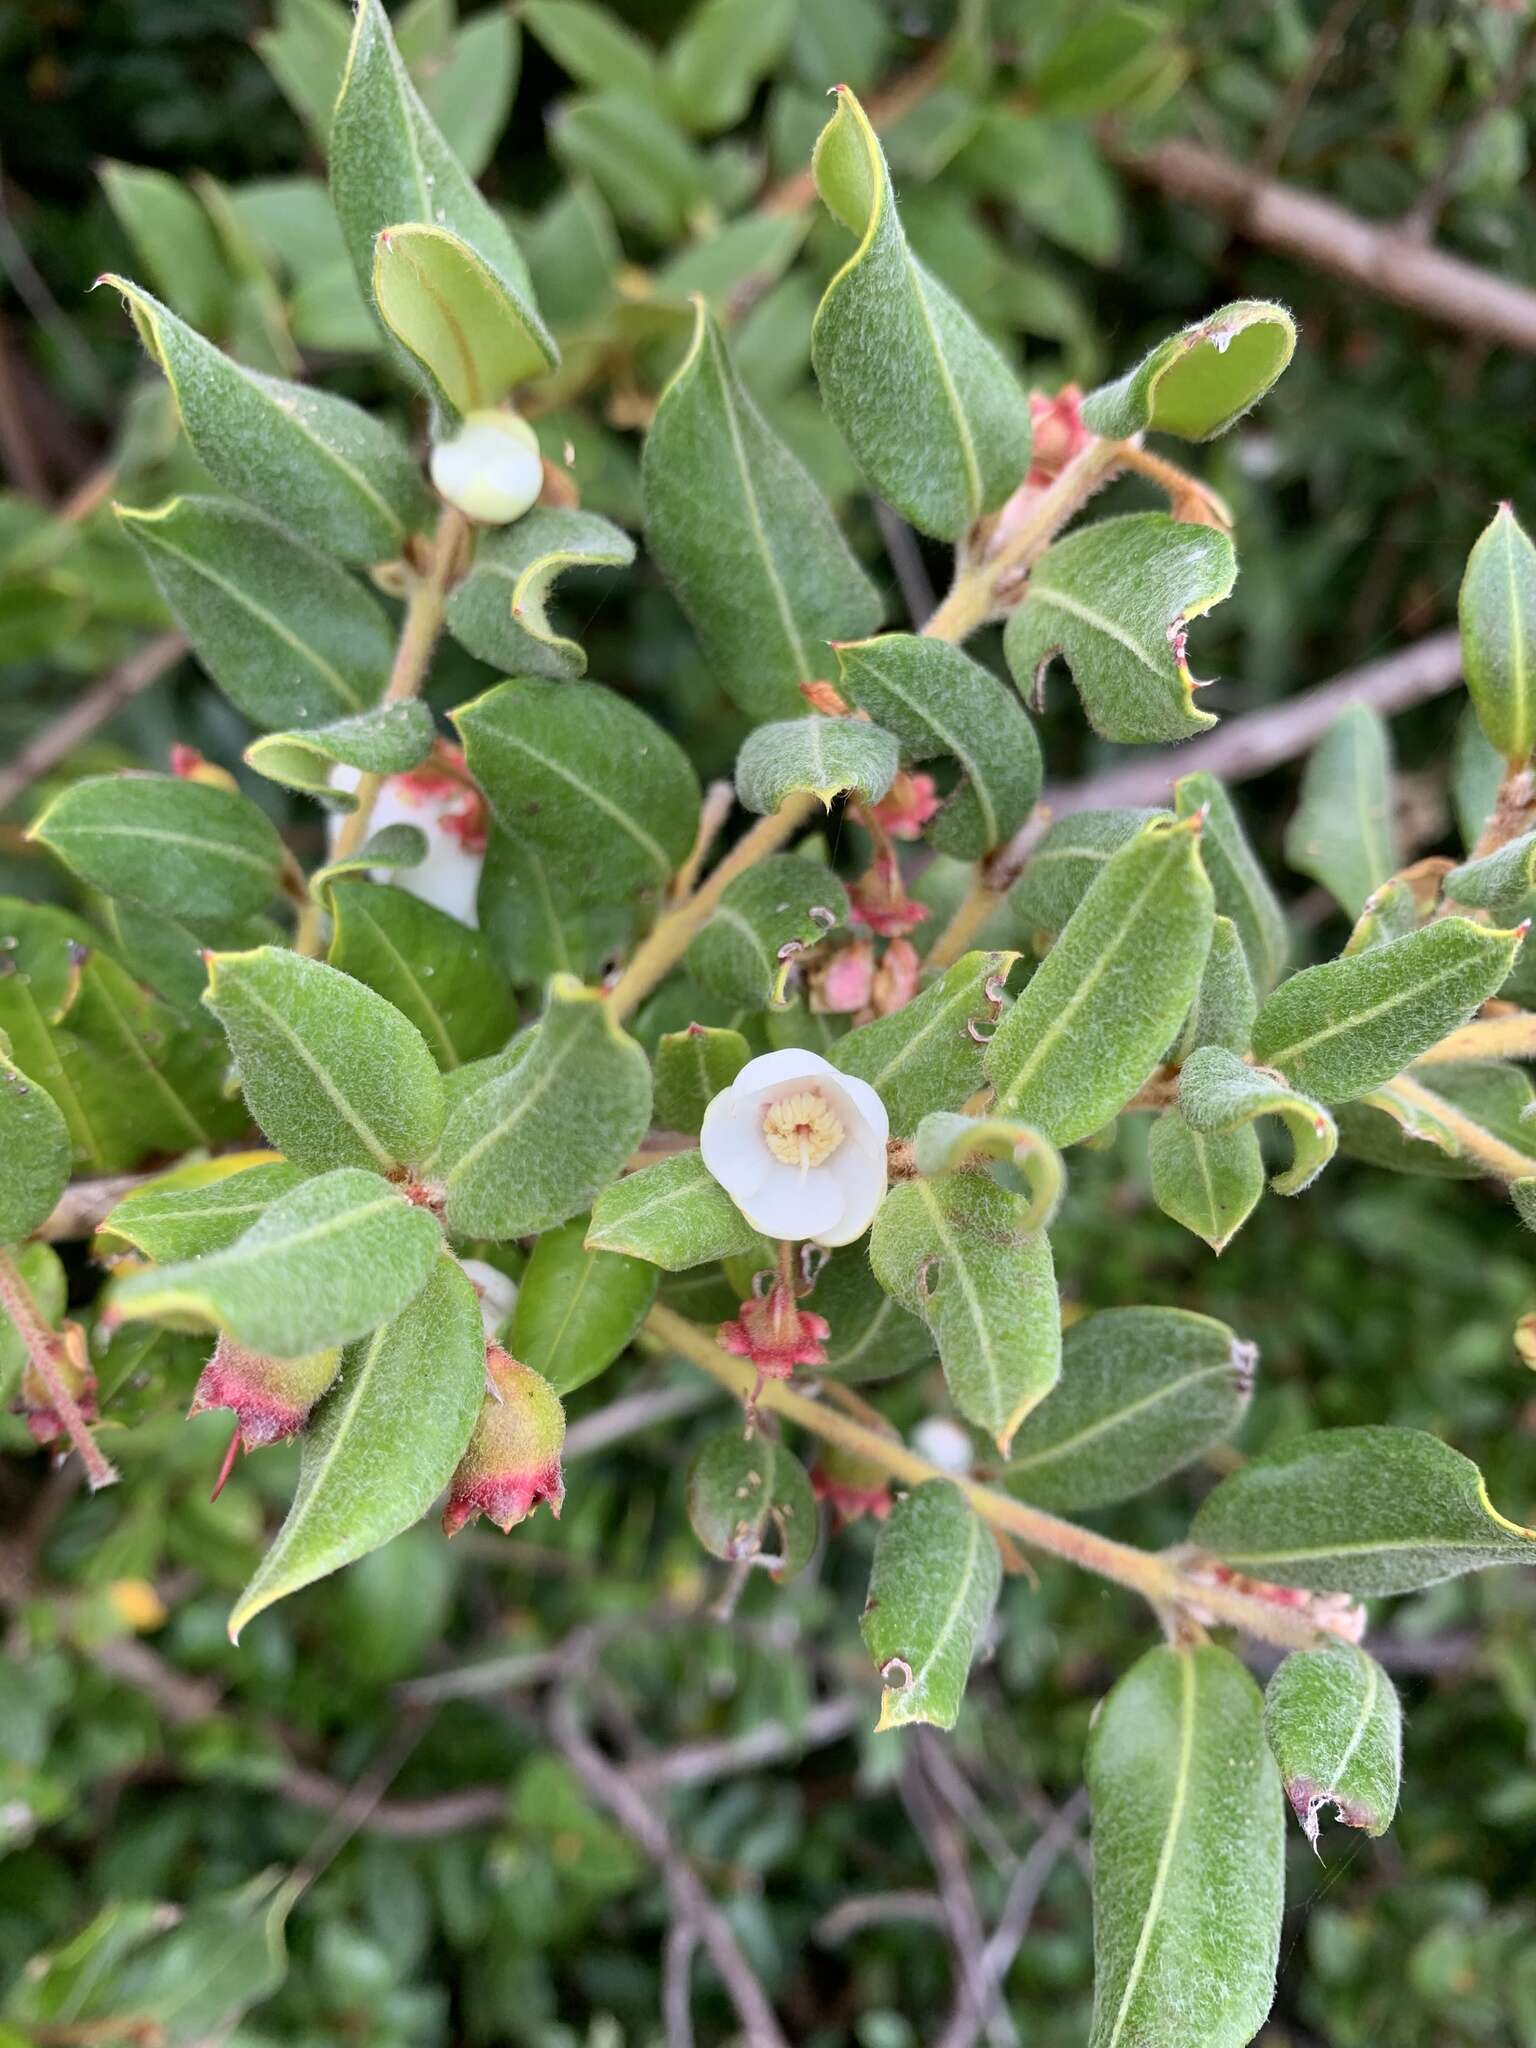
270,1397
491,469
776,1334
513,1459
44,1423
855,1486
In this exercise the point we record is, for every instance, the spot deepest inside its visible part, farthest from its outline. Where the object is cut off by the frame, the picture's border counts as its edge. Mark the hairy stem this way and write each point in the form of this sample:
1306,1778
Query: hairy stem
42,1353
413,657
1162,1583
1491,1153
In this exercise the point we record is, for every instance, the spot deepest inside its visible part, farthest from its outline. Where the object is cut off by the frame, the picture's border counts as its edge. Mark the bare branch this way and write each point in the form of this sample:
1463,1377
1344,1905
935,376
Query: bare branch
906,558
851,1916
941,1840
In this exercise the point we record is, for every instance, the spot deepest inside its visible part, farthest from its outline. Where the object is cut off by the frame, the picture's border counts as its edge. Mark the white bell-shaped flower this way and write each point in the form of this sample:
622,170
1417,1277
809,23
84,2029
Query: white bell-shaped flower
490,470
799,1147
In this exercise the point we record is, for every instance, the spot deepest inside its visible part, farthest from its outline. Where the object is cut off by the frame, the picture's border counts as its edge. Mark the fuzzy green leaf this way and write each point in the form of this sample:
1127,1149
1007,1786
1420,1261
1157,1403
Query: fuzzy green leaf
593,45
1066,864
937,701
173,238
872,1337
289,637
573,764
932,1590
1501,881
745,537
1456,1109
472,333
1017,1158
383,1443
391,168
1113,600
649,172
172,1223
1144,1392
1200,381
1333,1721
183,847
534,1147
929,1055
1121,977
764,918
674,1214
388,740
1497,608
1343,1028
1243,890
393,846
499,611
1362,1511
822,757
1209,1184
324,467
1342,834
437,972
306,53
1188,1855
536,916
692,1067
748,1497
1219,1094
714,63
1225,1004
955,1251
325,1263
36,1149
934,416
332,1072
577,1308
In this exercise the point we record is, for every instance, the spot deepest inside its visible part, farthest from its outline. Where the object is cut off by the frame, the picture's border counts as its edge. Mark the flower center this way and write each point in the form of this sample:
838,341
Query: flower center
802,1130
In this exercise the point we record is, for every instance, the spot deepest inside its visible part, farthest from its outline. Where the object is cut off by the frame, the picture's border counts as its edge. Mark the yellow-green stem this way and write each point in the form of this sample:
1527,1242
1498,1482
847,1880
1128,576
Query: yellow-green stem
413,657
1502,1161
1158,1581
41,1347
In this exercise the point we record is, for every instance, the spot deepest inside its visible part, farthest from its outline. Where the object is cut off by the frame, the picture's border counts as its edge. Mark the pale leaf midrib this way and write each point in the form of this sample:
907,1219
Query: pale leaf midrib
655,853
370,1138
968,1288
1119,1417
975,1535
1361,1018
1176,1806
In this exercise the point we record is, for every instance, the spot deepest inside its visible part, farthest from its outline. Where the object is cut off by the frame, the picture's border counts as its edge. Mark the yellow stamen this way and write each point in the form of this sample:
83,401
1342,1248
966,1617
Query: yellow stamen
802,1130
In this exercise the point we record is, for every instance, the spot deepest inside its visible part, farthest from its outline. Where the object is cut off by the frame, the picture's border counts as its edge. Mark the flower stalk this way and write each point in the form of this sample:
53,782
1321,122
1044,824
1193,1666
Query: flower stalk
43,1355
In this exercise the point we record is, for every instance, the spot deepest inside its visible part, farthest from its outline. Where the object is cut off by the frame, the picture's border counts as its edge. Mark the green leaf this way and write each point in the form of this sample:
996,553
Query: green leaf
1342,834
183,847
1144,1392
499,611
1497,609
36,1148
1018,1158
307,53
745,537
1242,888
1391,912
934,416
645,167
285,632
333,1073
929,1054
717,59
871,1337
535,1146
576,1308
1200,381
1501,881
1345,1027
1066,864
169,1221
1121,977
391,169
822,757
535,915
674,1214
321,465
749,1498
1050,172
1114,600
436,972
1188,1855
1333,1721
956,1251
468,89
387,740
765,917
937,701
173,238
393,846
327,1262
593,45
1219,1094
472,333
1452,1102
573,764
1225,1004
1209,1184
692,1067
932,1590
383,1443
1360,1511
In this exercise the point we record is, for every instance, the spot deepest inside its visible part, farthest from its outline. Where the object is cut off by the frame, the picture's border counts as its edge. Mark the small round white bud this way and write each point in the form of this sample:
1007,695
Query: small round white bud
490,470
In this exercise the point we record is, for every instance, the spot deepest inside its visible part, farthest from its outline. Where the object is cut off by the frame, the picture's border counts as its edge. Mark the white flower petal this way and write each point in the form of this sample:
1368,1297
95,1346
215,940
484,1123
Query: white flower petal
866,1105
788,1206
833,1202
862,1180
773,1069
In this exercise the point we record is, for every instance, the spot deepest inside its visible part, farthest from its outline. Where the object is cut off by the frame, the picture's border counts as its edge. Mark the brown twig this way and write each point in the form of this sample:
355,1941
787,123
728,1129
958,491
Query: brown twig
88,713
44,1351
851,1916
962,1917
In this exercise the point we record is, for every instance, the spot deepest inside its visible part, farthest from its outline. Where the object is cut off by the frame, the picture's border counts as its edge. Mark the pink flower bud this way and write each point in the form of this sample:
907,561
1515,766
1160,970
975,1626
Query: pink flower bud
513,1459
908,804
840,983
854,1486
895,981
271,1397
776,1334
